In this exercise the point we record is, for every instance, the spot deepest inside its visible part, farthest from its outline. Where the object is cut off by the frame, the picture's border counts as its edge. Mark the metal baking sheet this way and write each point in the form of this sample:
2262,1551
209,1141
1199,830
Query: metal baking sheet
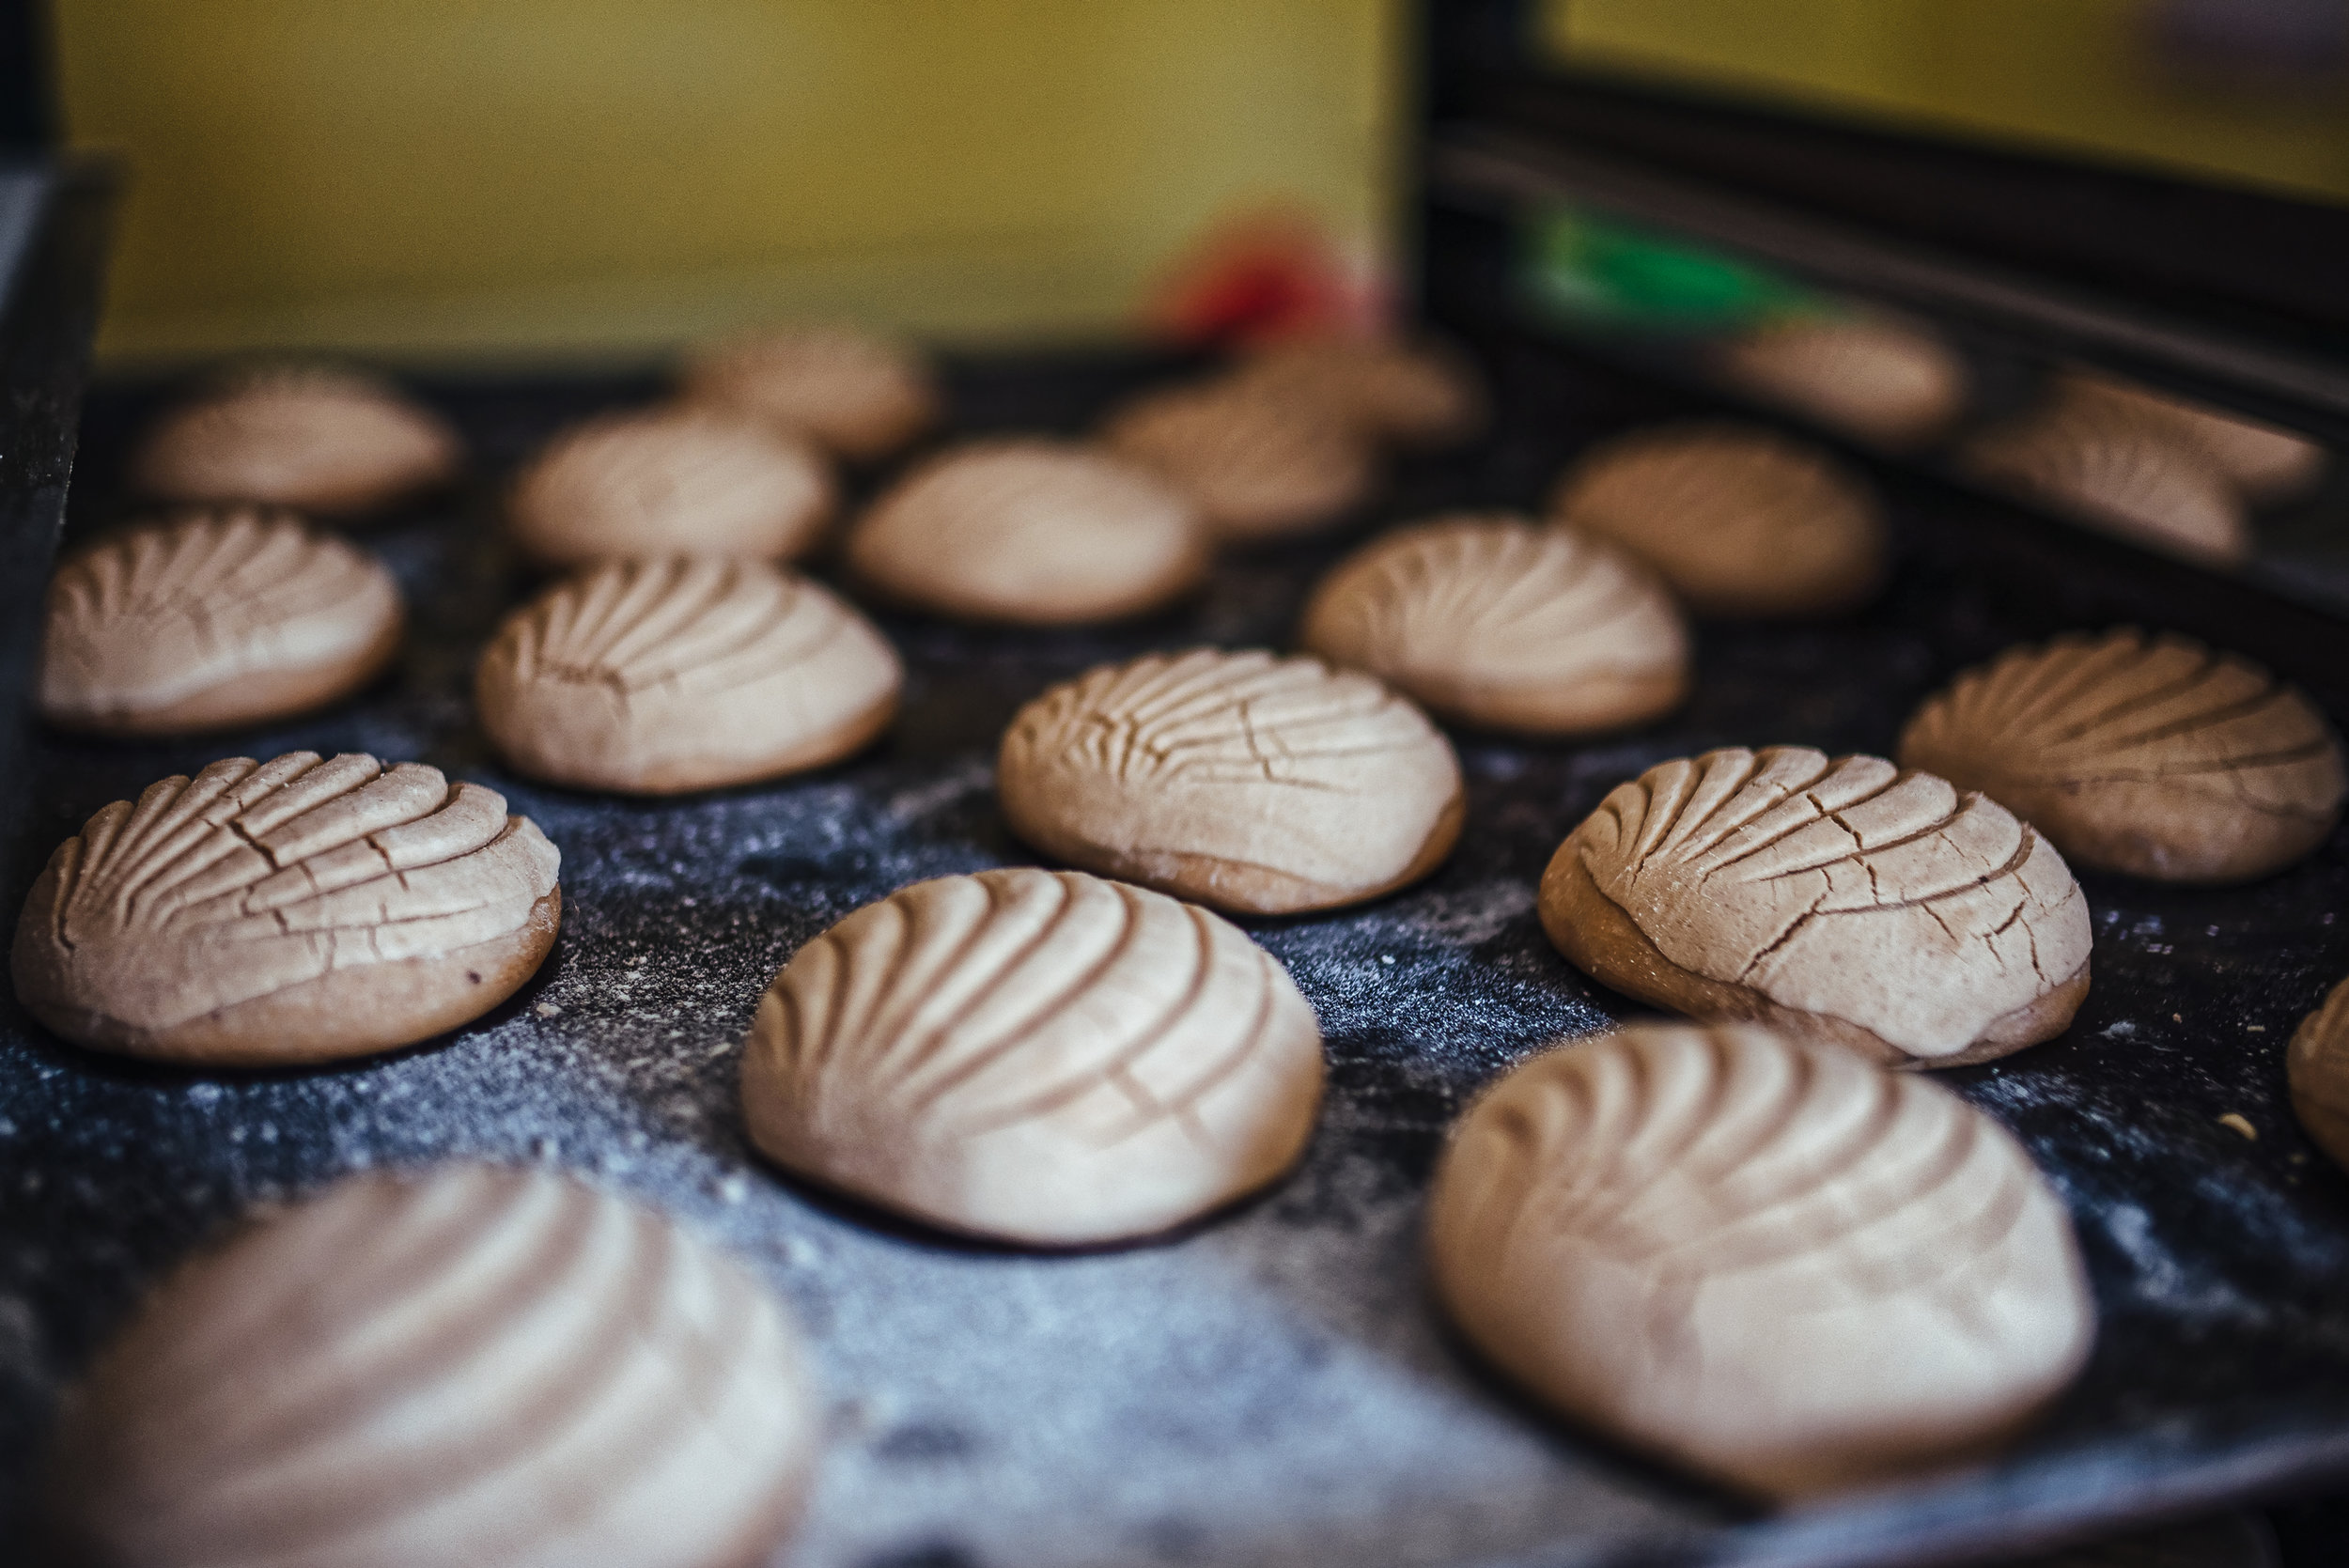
1271,1388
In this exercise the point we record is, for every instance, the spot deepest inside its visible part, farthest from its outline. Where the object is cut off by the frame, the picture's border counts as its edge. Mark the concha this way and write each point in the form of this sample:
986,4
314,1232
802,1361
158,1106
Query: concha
1844,901
212,620
1251,783
499,1368
674,481
850,392
1494,622
657,677
1260,466
315,438
1739,519
295,910
2318,1064
1414,394
1039,1057
2145,754
1882,381
1767,1260
2265,463
2120,475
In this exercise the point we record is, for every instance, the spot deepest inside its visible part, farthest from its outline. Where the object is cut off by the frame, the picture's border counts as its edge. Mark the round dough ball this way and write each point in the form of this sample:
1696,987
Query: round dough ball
2266,464
2119,475
1418,394
1253,784
212,620
850,391
2148,755
1491,621
499,1368
310,437
270,914
1739,519
1260,467
1036,1056
1034,532
652,677
673,481
2318,1063
1844,901
1767,1261
1881,382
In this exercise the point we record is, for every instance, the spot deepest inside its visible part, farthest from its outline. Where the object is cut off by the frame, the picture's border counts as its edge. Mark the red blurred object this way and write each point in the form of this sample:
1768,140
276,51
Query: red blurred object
1261,276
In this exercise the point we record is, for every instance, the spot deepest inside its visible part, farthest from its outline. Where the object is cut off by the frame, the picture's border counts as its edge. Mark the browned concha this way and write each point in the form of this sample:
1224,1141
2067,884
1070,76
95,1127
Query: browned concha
2119,473
2265,463
1417,393
850,392
296,911
1882,381
2151,755
209,621
315,438
1259,465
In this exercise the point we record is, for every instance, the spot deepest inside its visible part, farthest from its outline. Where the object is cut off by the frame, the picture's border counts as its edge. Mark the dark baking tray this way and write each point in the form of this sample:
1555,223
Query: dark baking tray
1271,1388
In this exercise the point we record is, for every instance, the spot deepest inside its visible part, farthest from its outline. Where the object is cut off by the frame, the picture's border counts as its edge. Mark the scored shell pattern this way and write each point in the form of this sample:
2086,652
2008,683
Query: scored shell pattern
2318,1063
314,437
2151,754
1259,467
1883,381
252,878
1038,1056
1322,777
1502,622
848,391
500,1368
171,618
2123,475
1772,1261
2265,463
1415,394
1847,888
683,673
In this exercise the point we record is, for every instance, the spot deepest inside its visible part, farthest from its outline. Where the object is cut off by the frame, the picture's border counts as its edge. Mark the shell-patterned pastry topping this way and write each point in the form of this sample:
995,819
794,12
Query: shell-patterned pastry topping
1250,782
1739,519
1494,621
654,676
315,438
850,391
1034,532
2318,1063
211,619
1770,1262
1259,466
2265,463
2146,754
2119,475
1844,899
1884,381
290,910
499,1368
1036,1056
676,481
1416,394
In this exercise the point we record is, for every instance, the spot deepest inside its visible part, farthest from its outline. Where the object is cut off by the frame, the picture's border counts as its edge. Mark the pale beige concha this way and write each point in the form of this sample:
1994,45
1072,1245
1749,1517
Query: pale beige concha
1491,621
670,481
850,392
1882,381
209,621
1413,394
1767,1260
2151,755
1260,466
1739,519
2265,463
1251,783
652,677
1033,533
314,438
1845,901
2318,1066
500,1368
301,909
1034,1056
2120,475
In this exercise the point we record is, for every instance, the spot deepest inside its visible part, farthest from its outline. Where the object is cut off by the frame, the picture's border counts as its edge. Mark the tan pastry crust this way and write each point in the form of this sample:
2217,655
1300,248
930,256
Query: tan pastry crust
652,677
500,1368
850,392
673,481
1842,901
2318,1064
1416,393
2265,463
1886,382
1739,519
1034,1056
290,911
212,620
1250,782
1765,1259
314,438
2121,474
1260,467
1033,533
2148,755
1492,621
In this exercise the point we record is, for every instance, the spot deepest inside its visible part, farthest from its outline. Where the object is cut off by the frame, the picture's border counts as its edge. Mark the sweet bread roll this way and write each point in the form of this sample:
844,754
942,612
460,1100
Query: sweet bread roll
1260,466
851,393
315,438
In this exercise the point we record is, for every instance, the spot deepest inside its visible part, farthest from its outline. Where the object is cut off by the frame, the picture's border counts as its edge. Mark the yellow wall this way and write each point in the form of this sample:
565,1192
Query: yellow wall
466,178
2071,74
